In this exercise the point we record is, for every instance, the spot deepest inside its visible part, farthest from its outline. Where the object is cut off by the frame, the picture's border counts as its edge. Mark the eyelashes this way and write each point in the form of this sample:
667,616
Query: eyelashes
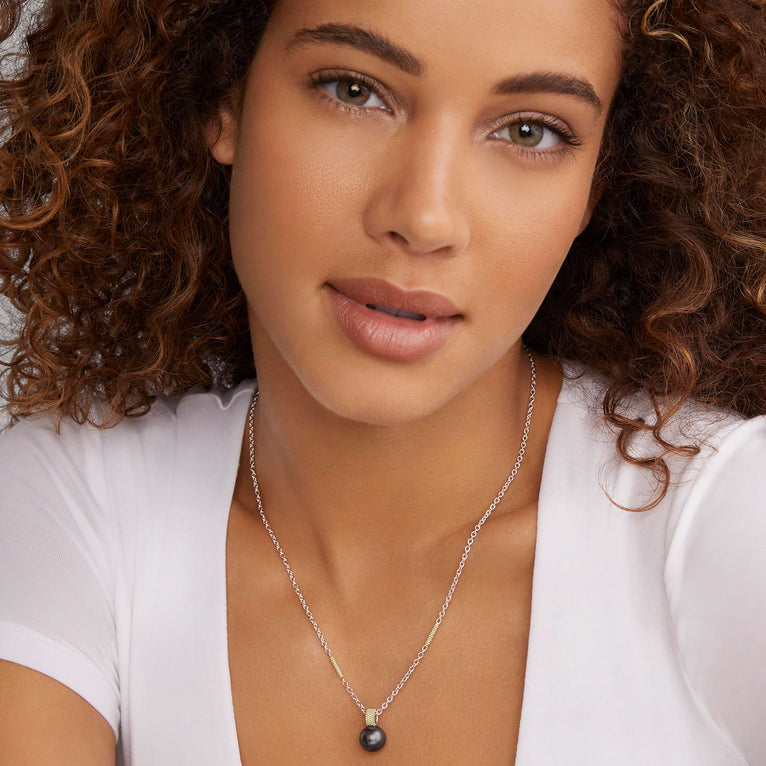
534,135
321,79
359,87
529,131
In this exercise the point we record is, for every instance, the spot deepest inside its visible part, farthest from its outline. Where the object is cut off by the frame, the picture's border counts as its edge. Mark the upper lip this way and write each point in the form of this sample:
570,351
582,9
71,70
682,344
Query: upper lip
378,292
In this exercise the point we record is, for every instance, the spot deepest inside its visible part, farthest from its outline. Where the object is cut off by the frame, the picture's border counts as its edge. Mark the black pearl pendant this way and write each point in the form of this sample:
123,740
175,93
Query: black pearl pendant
372,738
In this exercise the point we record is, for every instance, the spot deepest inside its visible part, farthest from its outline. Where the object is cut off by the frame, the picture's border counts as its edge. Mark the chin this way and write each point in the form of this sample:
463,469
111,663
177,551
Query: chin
371,392
379,401
363,388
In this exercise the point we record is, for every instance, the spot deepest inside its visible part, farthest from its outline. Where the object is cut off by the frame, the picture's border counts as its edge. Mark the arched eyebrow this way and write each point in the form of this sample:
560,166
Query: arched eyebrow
379,45
363,40
550,82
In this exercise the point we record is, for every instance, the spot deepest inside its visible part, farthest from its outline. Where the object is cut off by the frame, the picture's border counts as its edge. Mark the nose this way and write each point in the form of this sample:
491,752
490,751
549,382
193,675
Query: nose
417,201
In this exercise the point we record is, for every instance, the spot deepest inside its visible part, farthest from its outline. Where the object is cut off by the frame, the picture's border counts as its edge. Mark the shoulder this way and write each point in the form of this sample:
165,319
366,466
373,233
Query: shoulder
715,580
81,483
75,449
726,442
714,567
82,509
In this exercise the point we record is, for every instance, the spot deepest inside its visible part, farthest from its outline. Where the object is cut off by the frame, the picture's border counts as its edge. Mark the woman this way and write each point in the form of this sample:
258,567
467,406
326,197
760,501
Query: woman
371,204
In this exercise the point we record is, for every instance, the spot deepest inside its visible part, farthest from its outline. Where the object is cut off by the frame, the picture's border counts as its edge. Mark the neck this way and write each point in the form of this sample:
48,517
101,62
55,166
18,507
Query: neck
347,498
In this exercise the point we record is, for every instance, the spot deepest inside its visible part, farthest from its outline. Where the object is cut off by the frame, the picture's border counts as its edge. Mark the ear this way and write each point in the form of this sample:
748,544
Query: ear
221,135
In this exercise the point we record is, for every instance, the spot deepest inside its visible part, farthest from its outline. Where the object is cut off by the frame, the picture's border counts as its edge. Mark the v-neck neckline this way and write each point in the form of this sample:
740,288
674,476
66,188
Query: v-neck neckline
547,489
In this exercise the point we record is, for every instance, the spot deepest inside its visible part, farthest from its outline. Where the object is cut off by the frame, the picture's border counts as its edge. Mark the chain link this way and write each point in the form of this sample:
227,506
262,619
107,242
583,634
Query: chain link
461,565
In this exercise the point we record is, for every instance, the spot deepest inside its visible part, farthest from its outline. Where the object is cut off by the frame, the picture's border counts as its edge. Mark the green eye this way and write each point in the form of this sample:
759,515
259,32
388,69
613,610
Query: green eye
352,91
526,133
533,134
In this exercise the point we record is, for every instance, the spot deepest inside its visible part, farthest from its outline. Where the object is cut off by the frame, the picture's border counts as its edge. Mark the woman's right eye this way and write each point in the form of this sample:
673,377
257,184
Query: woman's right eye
353,92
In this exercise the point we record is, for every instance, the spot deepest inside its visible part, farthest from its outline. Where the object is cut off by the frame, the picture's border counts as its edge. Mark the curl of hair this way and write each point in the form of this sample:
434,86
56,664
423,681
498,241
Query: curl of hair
665,290
114,221
114,240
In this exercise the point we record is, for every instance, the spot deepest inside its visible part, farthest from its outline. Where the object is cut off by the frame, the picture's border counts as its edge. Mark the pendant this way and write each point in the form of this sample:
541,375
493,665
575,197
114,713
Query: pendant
372,737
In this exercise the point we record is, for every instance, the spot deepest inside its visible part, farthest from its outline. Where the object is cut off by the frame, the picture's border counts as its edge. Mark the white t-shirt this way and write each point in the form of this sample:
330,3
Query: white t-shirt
648,630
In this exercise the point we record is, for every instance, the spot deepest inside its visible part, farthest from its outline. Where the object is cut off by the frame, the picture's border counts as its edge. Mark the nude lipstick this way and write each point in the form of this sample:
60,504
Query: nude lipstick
391,323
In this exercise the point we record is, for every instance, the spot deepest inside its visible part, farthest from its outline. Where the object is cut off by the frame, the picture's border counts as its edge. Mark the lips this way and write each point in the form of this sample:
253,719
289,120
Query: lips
390,323
379,293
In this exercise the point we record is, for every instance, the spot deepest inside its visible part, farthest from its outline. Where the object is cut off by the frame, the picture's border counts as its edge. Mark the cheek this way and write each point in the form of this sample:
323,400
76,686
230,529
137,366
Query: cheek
520,246
295,195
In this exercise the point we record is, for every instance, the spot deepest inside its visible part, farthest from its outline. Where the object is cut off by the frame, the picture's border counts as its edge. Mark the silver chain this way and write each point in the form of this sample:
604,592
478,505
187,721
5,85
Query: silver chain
463,559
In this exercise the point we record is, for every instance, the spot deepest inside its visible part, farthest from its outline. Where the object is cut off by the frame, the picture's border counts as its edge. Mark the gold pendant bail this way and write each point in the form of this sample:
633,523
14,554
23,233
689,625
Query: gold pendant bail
370,716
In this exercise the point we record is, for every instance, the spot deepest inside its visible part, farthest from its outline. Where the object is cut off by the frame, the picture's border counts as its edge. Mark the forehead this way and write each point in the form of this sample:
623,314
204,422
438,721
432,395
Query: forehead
484,39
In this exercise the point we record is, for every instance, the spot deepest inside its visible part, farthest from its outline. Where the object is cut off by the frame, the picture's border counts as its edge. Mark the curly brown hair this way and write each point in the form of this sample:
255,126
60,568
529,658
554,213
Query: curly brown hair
114,217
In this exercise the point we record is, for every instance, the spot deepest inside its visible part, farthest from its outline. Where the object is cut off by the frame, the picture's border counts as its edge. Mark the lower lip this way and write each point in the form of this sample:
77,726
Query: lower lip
388,336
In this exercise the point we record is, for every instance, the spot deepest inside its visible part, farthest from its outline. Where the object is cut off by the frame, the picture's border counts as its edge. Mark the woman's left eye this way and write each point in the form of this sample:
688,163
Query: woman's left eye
353,92
531,134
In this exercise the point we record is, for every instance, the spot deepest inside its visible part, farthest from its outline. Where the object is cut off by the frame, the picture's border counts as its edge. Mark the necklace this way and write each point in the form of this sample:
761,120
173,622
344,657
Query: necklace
372,737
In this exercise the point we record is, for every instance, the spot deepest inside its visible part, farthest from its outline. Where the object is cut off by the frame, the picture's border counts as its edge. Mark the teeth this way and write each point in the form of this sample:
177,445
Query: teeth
397,312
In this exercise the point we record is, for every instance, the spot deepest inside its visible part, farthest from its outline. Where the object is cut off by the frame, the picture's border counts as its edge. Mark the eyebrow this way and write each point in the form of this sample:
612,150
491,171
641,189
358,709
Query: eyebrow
362,39
380,46
550,82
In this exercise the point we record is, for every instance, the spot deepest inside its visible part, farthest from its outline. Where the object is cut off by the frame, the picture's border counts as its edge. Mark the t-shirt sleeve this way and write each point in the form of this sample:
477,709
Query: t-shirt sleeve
56,595
716,584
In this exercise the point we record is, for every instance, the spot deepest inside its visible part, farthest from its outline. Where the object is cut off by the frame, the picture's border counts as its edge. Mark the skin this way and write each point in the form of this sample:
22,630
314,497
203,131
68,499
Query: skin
373,472
429,193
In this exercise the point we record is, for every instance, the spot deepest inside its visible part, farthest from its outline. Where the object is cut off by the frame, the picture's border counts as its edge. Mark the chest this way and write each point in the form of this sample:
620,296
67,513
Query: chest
461,704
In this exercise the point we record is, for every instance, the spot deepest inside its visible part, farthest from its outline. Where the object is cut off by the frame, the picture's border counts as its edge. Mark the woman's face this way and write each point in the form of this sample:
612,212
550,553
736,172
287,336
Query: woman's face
434,157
